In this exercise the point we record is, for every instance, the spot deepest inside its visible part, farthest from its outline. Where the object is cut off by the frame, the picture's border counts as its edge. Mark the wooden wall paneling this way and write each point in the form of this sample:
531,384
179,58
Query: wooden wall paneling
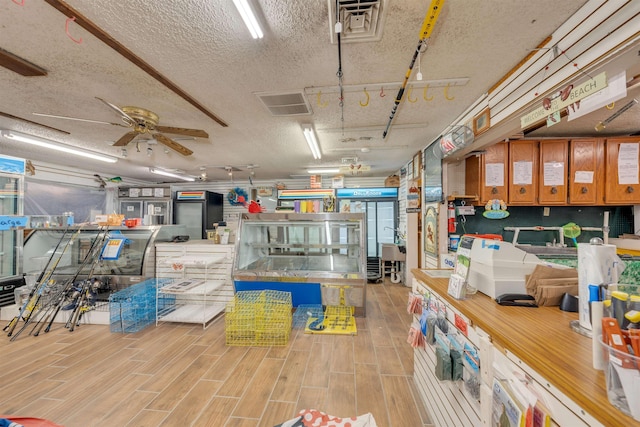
553,172
586,172
621,187
523,176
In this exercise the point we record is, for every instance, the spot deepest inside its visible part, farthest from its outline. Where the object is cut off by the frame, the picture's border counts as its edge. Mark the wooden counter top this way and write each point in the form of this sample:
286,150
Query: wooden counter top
542,338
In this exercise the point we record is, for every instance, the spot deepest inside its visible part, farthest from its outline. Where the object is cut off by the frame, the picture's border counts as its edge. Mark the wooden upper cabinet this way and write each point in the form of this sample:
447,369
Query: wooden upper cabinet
553,172
486,175
523,172
586,172
621,179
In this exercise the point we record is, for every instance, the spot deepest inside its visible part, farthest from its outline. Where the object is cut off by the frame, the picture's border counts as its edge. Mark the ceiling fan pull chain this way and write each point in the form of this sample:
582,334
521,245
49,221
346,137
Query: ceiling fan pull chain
66,29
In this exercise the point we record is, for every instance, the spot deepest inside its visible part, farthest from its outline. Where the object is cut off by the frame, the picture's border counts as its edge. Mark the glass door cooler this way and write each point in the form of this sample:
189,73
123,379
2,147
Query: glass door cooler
11,224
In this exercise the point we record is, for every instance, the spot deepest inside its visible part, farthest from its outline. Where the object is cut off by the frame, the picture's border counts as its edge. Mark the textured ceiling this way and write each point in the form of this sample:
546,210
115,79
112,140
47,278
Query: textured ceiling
205,50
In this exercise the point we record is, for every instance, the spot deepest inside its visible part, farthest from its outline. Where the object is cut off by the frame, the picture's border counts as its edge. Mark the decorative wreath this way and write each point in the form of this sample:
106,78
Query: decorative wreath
237,197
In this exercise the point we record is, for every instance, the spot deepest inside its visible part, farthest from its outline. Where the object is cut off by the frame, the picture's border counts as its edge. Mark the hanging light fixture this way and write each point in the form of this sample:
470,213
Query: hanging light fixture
312,141
249,18
171,174
52,145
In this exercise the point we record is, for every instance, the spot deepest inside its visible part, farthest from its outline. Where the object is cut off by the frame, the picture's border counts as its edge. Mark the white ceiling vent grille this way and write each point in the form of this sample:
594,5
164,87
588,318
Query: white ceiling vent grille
362,20
285,103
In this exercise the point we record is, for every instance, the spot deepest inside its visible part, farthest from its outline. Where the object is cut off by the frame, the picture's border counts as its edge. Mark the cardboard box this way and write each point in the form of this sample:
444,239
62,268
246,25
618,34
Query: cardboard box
392,181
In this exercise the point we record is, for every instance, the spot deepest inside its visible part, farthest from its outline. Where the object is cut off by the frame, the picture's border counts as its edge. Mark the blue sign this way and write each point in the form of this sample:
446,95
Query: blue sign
12,165
367,193
8,222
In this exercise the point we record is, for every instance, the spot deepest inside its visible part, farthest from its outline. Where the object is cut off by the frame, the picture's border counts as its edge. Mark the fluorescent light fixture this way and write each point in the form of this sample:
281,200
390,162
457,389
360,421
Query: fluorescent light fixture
321,171
52,145
312,141
171,174
249,18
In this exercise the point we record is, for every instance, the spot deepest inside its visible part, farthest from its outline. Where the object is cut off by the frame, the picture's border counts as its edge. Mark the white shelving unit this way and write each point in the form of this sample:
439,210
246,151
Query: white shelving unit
201,286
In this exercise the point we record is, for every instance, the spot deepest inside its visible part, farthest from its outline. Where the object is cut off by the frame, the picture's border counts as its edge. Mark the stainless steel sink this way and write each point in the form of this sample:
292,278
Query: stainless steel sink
391,252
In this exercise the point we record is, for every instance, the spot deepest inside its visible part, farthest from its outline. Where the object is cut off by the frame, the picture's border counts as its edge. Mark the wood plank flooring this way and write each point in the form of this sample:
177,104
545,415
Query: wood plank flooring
180,375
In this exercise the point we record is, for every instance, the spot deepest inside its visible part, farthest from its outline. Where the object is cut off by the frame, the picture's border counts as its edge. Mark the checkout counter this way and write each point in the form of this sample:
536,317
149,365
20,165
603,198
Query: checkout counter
532,346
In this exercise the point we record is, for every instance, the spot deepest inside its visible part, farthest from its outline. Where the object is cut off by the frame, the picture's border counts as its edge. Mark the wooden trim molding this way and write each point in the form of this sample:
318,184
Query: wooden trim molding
98,32
12,117
19,65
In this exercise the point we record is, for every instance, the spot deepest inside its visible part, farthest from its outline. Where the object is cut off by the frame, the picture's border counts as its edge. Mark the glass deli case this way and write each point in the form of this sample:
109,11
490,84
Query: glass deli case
319,258
132,262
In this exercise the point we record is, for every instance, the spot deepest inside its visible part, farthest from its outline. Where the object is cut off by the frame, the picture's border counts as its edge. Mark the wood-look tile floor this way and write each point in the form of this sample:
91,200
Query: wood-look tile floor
181,375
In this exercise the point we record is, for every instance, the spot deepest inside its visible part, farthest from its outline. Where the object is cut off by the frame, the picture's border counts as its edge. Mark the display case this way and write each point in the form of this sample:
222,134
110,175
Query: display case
319,258
11,209
133,262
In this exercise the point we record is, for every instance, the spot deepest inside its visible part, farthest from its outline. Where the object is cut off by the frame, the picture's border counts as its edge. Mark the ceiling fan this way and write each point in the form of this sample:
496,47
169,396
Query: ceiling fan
142,121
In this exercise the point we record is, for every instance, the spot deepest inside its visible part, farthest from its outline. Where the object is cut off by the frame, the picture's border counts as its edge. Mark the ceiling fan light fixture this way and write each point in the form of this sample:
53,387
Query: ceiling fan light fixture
249,18
52,145
171,174
312,141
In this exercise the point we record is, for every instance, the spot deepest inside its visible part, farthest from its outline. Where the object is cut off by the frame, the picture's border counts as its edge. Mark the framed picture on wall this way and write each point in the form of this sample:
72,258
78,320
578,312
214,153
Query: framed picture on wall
410,170
481,122
431,231
417,165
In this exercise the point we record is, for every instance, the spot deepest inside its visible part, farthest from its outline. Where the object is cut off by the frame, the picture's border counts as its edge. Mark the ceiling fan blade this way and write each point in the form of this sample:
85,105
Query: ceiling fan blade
78,119
172,144
198,133
126,138
127,118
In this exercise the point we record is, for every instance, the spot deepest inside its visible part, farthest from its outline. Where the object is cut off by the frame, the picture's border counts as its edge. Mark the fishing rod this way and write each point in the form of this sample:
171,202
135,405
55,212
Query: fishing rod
38,281
79,309
425,33
35,300
55,308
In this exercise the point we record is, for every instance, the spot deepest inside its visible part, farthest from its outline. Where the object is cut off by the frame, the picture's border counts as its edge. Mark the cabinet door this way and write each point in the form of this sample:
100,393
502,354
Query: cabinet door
586,172
621,180
523,172
552,175
486,175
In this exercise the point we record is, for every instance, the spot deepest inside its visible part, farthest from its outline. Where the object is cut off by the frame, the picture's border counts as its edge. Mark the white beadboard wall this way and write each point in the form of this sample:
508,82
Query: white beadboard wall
166,253
448,402
455,173
402,204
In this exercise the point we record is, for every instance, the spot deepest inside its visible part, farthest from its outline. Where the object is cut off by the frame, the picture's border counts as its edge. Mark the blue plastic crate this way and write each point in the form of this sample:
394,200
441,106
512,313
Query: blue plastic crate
303,312
134,308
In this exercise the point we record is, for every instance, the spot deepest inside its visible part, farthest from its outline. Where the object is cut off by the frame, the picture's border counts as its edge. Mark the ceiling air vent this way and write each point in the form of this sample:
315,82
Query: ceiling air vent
285,103
362,20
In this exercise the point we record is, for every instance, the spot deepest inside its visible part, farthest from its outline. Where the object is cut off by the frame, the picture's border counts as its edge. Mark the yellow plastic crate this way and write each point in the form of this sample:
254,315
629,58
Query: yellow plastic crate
337,320
258,318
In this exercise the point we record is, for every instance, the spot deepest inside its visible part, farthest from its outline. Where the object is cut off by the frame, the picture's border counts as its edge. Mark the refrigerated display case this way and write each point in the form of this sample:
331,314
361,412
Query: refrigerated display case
380,206
197,211
314,200
134,262
11,210
152,204
319,258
